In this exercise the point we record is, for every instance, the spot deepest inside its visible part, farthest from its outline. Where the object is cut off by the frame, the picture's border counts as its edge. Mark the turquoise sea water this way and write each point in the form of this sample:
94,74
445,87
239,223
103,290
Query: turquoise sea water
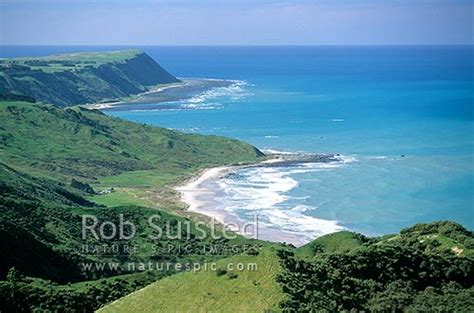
370,104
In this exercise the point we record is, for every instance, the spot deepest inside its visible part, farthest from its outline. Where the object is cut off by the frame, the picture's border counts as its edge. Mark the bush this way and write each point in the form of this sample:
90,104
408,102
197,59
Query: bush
232,275
221,272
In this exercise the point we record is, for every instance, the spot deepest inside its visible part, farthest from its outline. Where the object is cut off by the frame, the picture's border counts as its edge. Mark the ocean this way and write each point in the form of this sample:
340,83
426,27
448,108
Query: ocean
402,117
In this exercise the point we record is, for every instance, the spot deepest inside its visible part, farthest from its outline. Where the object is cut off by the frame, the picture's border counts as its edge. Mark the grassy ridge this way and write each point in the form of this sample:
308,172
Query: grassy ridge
79,78
337,272
343,241
247,290
83,143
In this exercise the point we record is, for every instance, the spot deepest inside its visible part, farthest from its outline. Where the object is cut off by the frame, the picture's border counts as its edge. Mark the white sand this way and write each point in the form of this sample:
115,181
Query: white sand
192,190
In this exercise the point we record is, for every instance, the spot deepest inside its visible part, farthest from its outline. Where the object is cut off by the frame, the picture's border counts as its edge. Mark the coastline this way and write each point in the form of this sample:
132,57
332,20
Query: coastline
199,198
191,190
187,88
135,98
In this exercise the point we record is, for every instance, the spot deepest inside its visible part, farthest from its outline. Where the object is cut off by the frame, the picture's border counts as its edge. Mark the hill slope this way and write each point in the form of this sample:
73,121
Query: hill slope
426,268
86,144
419,270
80,78
49,156
249,290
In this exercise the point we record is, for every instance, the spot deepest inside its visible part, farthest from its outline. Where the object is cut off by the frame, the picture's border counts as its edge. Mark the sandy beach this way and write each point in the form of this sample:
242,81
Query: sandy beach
200,199
193,190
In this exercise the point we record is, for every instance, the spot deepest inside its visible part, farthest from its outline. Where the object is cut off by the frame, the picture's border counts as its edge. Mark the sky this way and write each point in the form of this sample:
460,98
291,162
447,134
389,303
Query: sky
234,22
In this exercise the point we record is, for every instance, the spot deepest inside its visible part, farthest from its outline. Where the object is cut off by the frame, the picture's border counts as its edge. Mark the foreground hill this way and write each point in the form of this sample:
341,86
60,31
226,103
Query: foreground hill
79,78
426,268
252,289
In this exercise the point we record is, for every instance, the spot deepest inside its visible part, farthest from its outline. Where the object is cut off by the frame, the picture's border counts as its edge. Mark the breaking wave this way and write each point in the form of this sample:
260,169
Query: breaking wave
266,191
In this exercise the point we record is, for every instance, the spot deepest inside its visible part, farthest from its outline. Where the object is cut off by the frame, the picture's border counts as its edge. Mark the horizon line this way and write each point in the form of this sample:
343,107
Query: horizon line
235,45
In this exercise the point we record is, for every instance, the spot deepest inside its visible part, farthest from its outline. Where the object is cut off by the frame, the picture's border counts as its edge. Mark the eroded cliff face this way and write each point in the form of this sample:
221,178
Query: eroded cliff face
66,80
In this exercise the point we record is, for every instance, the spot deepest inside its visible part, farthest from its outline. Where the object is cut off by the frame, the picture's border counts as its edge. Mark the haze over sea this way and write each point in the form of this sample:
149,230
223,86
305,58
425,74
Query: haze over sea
402,117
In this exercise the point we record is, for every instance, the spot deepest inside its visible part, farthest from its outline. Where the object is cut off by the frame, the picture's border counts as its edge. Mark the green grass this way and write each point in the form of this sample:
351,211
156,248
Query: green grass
141,163
205,291
334,272
122,196
435,243
55,63
82,143
343,241
81,78
150,188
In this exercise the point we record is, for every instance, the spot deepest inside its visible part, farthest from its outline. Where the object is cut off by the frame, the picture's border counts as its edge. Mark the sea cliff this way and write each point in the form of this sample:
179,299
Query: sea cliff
79,78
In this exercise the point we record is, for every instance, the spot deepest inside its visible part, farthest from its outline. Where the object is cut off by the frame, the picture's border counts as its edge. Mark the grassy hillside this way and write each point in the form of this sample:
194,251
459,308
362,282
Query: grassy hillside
87,144
50,157
223,290
140,162
79,78
48,153
346,272
343,241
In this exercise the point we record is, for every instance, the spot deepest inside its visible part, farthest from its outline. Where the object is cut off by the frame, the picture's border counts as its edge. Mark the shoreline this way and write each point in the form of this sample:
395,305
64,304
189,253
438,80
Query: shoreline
191,189
135,98
199,199
187,88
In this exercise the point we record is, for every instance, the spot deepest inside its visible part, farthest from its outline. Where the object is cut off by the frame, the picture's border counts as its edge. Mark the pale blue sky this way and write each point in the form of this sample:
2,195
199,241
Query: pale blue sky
234,22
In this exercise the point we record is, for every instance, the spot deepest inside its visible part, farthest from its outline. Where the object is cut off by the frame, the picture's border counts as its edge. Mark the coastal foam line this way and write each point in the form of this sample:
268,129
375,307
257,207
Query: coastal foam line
235,194
190,94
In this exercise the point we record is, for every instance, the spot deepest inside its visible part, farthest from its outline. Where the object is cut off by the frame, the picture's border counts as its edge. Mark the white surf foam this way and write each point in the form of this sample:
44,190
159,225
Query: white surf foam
296,222
265,191
202,105
262,188
233,92
346,158
273,151
376,157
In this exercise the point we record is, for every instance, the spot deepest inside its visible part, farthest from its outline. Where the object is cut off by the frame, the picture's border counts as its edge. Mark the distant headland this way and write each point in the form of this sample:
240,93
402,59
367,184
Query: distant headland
81,78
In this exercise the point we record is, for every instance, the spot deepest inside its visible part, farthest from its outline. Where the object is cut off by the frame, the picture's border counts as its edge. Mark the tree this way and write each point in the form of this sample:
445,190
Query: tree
14,277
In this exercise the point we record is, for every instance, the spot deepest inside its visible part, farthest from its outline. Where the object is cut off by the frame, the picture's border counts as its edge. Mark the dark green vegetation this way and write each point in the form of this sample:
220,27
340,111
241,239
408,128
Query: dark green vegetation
427,268
49,159
16,97
80,78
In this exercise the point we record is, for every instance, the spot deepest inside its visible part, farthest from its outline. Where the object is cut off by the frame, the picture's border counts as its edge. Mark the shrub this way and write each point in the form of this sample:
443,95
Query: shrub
221,272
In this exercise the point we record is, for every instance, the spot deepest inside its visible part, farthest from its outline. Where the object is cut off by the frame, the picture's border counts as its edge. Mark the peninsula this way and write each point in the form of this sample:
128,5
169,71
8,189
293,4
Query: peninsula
80,78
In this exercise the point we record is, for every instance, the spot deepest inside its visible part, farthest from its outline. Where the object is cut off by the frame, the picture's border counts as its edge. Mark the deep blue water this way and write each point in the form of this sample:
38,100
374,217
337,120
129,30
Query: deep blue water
370,104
